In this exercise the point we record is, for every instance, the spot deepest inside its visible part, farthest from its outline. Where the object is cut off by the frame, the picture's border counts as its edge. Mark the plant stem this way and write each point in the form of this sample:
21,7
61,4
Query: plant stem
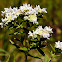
25,57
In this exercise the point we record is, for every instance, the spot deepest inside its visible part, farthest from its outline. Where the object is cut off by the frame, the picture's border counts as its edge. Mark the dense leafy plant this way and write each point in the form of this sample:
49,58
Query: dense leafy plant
23,21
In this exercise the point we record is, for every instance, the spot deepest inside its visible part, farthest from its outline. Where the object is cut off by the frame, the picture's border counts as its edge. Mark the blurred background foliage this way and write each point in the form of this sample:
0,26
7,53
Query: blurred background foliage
53,18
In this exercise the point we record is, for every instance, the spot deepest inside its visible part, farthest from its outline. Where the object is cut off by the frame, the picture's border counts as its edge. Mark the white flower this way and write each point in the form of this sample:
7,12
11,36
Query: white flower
35,32
10,14
33,35
39,28
32,11
3,20
8,18
30,34
48,29
58,45
44,10
61,45
38,9
25,17
1,25
16,11
44,34
25,7
32,18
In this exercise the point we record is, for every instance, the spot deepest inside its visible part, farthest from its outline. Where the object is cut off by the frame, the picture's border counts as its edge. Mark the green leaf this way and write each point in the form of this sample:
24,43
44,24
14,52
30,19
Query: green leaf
47,59
33,46
2,54
23,48
10,28
33,56
15,33
8,59
13,57
52,48
11,41
2,50
19,26
34,40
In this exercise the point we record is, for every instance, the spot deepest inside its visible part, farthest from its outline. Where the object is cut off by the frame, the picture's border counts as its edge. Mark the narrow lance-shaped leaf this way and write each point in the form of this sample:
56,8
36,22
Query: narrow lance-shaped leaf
22,49
16,33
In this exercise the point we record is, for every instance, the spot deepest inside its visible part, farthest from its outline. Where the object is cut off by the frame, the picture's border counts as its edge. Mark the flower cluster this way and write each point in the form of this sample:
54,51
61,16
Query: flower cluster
42,32
29,13
58,45
10,14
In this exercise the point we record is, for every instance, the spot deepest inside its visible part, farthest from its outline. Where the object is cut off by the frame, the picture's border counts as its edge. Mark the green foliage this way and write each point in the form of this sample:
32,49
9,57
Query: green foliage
6,54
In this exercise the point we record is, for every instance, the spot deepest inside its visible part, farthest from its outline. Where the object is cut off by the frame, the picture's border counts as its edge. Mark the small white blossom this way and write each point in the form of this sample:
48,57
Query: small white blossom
1,25
25,7
25,17
32,11
44,34
61,45
30,34
33,35
44,10
49,29
32,18
58,45
16,11
39,28
38,9
3,20
10,14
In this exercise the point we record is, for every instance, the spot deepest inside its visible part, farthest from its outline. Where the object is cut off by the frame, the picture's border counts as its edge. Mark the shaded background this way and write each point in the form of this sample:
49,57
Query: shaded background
53,18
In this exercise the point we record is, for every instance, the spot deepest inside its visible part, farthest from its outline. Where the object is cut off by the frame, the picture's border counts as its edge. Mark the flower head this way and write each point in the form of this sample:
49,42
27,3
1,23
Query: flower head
58,45
31,18
44,10
43,33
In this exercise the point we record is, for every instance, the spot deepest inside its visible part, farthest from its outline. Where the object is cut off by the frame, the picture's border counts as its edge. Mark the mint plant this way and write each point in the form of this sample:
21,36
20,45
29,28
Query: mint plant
23,21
